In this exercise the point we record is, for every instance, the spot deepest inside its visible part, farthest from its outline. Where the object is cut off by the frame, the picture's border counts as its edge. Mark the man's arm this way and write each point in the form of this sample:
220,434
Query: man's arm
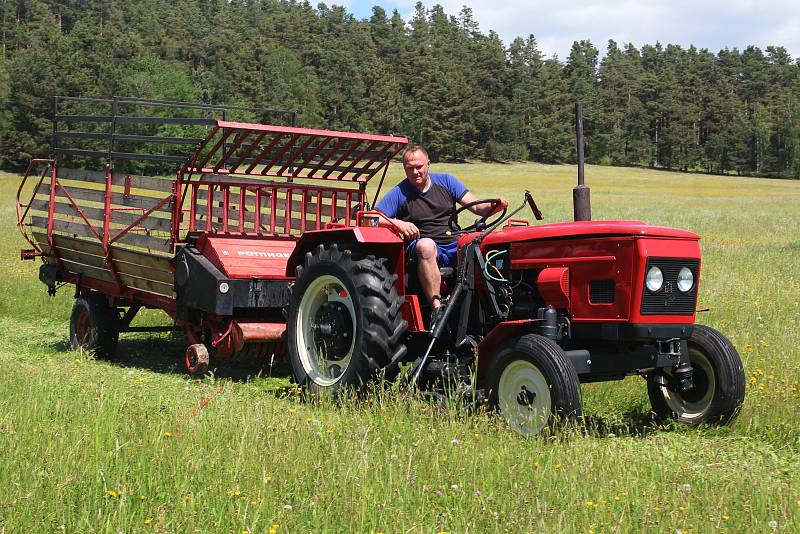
389,207
484,209
407,229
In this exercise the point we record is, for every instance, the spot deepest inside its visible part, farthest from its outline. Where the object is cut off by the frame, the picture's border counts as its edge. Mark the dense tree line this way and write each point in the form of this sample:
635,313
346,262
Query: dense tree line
435,78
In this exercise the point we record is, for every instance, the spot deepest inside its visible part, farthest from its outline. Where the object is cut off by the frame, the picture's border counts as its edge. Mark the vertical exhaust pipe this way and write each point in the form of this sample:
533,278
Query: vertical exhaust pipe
581,203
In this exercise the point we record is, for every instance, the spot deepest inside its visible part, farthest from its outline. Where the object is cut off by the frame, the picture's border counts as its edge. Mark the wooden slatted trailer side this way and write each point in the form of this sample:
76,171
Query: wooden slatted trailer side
120,238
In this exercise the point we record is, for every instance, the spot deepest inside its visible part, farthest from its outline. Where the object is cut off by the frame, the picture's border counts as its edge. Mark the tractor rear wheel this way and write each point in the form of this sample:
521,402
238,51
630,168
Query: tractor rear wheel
718,376
344,320
94,325
533,385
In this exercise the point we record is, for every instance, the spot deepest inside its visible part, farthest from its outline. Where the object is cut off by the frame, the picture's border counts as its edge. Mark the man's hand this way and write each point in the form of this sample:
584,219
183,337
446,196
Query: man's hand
483,209
499,207
408,230
487,208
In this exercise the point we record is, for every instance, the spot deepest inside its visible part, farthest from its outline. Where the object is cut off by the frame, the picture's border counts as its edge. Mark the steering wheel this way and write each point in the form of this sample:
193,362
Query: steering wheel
481,222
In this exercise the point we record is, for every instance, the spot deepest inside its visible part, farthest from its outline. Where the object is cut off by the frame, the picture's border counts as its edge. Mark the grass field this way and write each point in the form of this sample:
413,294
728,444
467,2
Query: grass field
135,446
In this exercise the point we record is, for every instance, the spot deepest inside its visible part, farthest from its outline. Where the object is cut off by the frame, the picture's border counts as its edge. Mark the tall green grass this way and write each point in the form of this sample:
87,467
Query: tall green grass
134,445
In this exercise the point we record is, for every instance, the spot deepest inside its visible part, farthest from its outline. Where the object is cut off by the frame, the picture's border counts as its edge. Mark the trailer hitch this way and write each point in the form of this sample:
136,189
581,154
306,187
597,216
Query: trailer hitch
30,254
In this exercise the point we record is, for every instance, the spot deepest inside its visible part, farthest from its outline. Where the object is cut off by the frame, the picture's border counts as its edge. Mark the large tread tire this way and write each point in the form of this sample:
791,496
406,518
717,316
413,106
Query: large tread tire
371,308
534,385
718,378
94,326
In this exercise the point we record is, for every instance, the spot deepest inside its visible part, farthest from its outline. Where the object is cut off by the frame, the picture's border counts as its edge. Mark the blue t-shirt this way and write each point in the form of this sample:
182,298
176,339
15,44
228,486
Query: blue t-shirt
429,211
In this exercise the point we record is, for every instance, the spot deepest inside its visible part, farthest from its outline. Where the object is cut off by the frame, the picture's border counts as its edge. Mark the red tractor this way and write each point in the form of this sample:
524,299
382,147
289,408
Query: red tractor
263,255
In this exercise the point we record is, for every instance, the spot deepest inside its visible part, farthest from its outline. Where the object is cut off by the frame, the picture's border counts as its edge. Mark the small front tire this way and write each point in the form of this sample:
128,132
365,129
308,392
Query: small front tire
718,377
534,386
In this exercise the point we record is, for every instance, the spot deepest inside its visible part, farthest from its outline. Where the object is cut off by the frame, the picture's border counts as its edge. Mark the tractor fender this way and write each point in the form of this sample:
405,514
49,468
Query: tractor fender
379,241
501,333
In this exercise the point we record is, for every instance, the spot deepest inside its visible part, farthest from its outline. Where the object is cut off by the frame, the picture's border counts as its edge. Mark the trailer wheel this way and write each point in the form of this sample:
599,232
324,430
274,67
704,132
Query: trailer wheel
344,320
533,385
94,325
718,376
197,360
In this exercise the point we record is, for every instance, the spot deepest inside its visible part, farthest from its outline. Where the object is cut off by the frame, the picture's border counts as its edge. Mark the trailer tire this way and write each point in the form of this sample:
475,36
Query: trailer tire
197,360
344,323
94,325
718,378
534,386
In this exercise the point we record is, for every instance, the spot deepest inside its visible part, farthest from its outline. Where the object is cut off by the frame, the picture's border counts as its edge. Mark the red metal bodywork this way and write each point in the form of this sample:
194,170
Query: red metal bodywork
553,283
595,250
379,241
251,257
598,250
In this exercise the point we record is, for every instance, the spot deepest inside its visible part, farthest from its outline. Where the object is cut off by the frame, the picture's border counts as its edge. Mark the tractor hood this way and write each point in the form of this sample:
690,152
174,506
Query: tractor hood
572,230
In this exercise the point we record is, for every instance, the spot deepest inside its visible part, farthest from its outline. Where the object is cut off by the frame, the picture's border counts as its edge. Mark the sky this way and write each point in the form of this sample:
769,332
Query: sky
556,24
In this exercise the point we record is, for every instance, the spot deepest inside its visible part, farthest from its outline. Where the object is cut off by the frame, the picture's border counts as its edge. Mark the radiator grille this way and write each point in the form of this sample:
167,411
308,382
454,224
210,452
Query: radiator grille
669,300
601,291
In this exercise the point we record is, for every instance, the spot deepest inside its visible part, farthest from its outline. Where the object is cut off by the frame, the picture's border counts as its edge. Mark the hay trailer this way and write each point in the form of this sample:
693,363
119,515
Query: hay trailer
209,244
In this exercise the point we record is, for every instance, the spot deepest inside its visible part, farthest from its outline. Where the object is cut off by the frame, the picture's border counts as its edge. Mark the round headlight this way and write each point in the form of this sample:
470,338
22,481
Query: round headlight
224,287
685,279
654,279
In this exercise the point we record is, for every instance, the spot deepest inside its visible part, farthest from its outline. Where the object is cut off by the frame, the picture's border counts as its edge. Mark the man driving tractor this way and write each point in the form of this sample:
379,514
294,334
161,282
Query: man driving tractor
420,207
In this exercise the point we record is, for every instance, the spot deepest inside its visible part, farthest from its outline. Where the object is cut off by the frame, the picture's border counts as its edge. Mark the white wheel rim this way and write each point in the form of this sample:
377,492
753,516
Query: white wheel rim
686,409
523,396
321,370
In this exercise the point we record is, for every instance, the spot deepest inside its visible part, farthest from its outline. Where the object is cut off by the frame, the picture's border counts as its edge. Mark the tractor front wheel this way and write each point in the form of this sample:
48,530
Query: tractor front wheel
718,378
533,385
94,325
344,320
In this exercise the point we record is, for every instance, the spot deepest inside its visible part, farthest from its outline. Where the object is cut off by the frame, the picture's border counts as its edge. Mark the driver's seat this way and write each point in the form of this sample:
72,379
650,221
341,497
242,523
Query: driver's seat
448,274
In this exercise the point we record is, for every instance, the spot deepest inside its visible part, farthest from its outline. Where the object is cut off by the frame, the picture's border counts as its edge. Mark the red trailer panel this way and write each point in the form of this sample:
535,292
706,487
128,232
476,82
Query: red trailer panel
248,258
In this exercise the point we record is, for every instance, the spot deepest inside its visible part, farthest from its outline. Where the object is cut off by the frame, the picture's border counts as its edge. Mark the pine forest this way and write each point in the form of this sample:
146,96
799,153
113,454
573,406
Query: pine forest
437,78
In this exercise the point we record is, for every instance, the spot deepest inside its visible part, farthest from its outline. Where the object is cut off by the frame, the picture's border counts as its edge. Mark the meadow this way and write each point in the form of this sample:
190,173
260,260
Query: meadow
134,445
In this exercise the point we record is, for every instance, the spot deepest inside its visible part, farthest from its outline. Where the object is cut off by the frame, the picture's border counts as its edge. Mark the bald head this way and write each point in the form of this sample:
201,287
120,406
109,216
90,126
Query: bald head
414,149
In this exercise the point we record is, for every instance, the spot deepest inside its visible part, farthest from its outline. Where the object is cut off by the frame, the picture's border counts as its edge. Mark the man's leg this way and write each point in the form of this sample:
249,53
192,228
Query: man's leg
429,277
